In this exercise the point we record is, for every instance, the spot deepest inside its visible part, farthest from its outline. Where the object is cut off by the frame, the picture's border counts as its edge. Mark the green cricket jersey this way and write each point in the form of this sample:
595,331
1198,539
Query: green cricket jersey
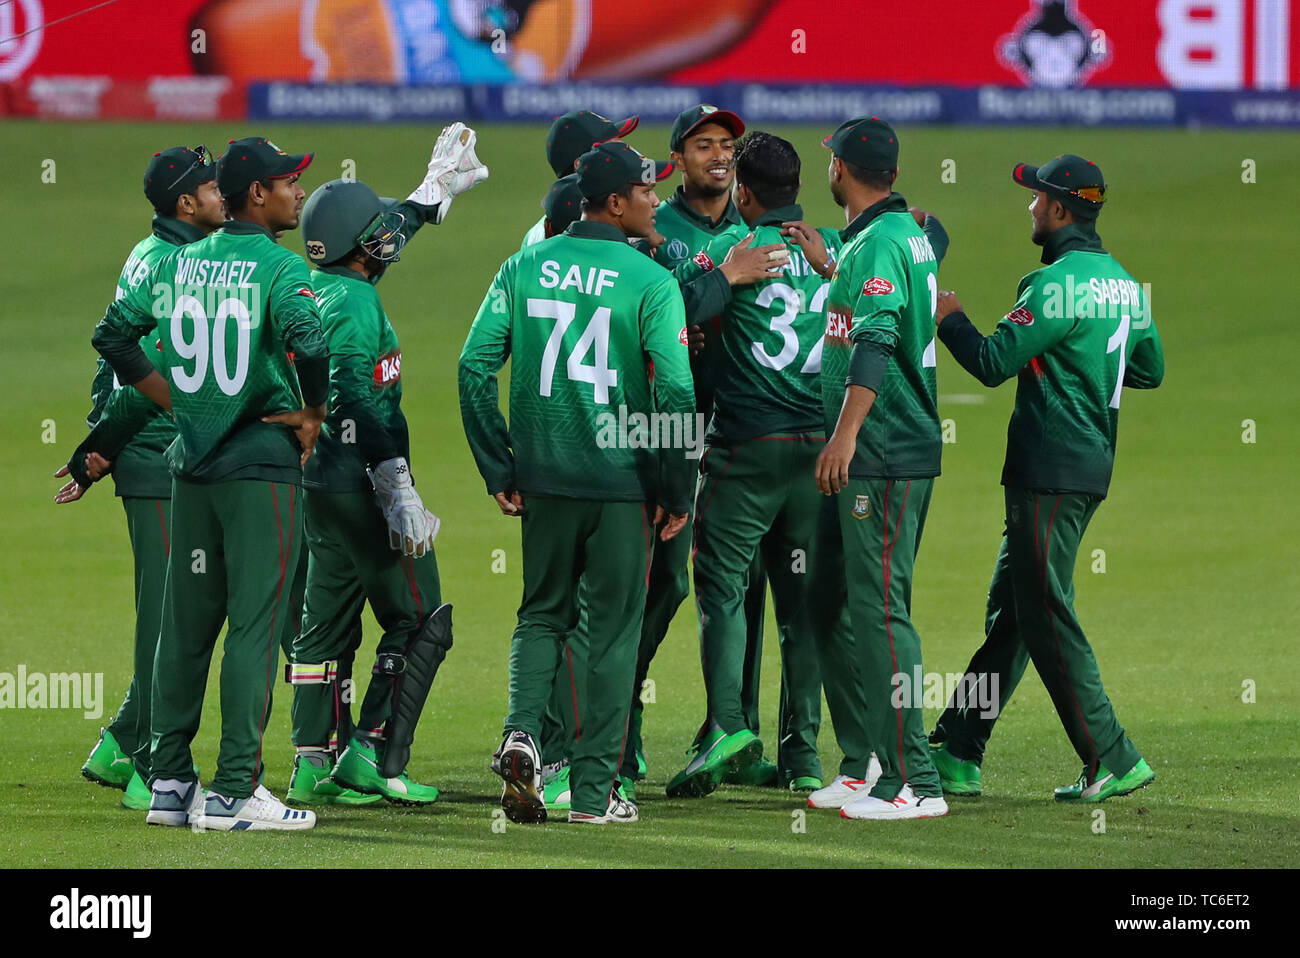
228,308
880,334
582,316
685,233
768,377
137,440
365,424
1080,331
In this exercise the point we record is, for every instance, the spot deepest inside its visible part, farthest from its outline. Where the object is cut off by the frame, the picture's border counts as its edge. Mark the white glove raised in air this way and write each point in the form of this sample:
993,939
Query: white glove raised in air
411,527
453,169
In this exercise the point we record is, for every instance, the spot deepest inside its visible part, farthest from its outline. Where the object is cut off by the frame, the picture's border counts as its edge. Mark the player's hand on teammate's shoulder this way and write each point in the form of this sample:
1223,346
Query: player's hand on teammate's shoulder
669,524
746,263
946,303
918,214
656,239
812,245
510,502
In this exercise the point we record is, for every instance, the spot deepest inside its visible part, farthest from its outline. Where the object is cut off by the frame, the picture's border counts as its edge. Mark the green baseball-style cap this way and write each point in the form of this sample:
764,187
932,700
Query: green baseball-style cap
868,142
576,132
1075,182
688,120
563,202
256,158
175,171
609,167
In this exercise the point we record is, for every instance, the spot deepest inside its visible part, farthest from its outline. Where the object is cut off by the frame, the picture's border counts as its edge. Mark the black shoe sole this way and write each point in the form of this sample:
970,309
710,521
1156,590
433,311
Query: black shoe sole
520,799
90,776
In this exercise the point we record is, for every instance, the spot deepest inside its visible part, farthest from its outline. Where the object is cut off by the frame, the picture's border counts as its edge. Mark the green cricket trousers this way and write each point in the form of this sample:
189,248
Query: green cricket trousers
351,562
758,498
868,537
604,549
147,523
234,552
1030,615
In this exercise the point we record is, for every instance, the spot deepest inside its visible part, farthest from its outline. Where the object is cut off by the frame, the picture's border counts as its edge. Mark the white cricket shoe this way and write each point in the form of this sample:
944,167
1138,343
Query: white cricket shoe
907,804
260,812
173,802
619,810
844,789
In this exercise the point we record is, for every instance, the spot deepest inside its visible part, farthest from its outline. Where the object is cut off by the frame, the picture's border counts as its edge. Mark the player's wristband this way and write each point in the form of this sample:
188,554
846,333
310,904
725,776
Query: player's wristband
867,365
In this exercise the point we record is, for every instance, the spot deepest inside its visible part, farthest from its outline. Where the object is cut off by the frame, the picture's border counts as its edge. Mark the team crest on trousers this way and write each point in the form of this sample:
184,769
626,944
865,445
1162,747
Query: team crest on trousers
861,507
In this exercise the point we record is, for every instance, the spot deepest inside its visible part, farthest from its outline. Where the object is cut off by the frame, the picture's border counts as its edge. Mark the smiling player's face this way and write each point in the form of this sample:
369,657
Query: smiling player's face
708,159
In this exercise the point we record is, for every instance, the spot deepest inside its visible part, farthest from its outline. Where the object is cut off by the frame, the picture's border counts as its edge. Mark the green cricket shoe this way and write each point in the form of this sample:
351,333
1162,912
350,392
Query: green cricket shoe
640,765
717,753
805,784
626,788
956,776
311,784
555,790
358,769
137,794
761,773
1106,785
108,765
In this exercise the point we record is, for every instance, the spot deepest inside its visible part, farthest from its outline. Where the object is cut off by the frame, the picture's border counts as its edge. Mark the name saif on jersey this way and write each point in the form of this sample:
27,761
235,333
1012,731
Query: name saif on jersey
593,283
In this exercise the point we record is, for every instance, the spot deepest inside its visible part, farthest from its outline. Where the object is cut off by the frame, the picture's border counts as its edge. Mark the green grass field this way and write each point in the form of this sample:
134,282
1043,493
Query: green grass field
1199,598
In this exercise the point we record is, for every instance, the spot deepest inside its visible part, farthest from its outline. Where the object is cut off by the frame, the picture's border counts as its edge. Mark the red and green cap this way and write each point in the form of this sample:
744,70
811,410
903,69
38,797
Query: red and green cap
175,171
868,142
563,203
609,167
576,132
1075,182
688,121
256,158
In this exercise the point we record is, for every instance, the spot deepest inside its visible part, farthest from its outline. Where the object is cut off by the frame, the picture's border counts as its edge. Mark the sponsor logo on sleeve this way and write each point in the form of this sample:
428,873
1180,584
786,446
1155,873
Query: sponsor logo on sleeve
389,368
877,286
684,337
702,260
1021,316
306,292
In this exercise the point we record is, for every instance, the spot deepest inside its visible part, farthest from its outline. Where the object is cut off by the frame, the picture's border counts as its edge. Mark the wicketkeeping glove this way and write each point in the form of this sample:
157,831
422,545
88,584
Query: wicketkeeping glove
411,527
453,169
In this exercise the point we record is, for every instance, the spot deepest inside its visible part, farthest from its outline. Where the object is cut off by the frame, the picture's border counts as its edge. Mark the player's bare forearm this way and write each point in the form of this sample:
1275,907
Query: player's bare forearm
155,387
832,470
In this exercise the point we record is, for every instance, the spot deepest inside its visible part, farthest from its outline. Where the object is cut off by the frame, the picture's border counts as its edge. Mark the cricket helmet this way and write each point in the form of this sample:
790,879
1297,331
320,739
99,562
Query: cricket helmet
342,215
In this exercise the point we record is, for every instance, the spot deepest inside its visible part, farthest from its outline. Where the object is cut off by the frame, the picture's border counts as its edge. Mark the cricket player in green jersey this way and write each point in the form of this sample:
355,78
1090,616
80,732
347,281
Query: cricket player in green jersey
369,534
1080,331
878,467
703,146
571,135
180,184
582,316
229,309
754,497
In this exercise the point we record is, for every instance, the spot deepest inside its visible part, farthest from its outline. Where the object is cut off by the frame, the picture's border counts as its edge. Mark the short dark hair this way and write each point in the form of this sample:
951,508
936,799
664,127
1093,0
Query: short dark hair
236,202
872,179
169,209
768,167
598,203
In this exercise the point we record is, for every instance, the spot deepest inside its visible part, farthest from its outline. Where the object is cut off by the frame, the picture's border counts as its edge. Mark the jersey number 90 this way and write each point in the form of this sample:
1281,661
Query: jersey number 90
205,344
